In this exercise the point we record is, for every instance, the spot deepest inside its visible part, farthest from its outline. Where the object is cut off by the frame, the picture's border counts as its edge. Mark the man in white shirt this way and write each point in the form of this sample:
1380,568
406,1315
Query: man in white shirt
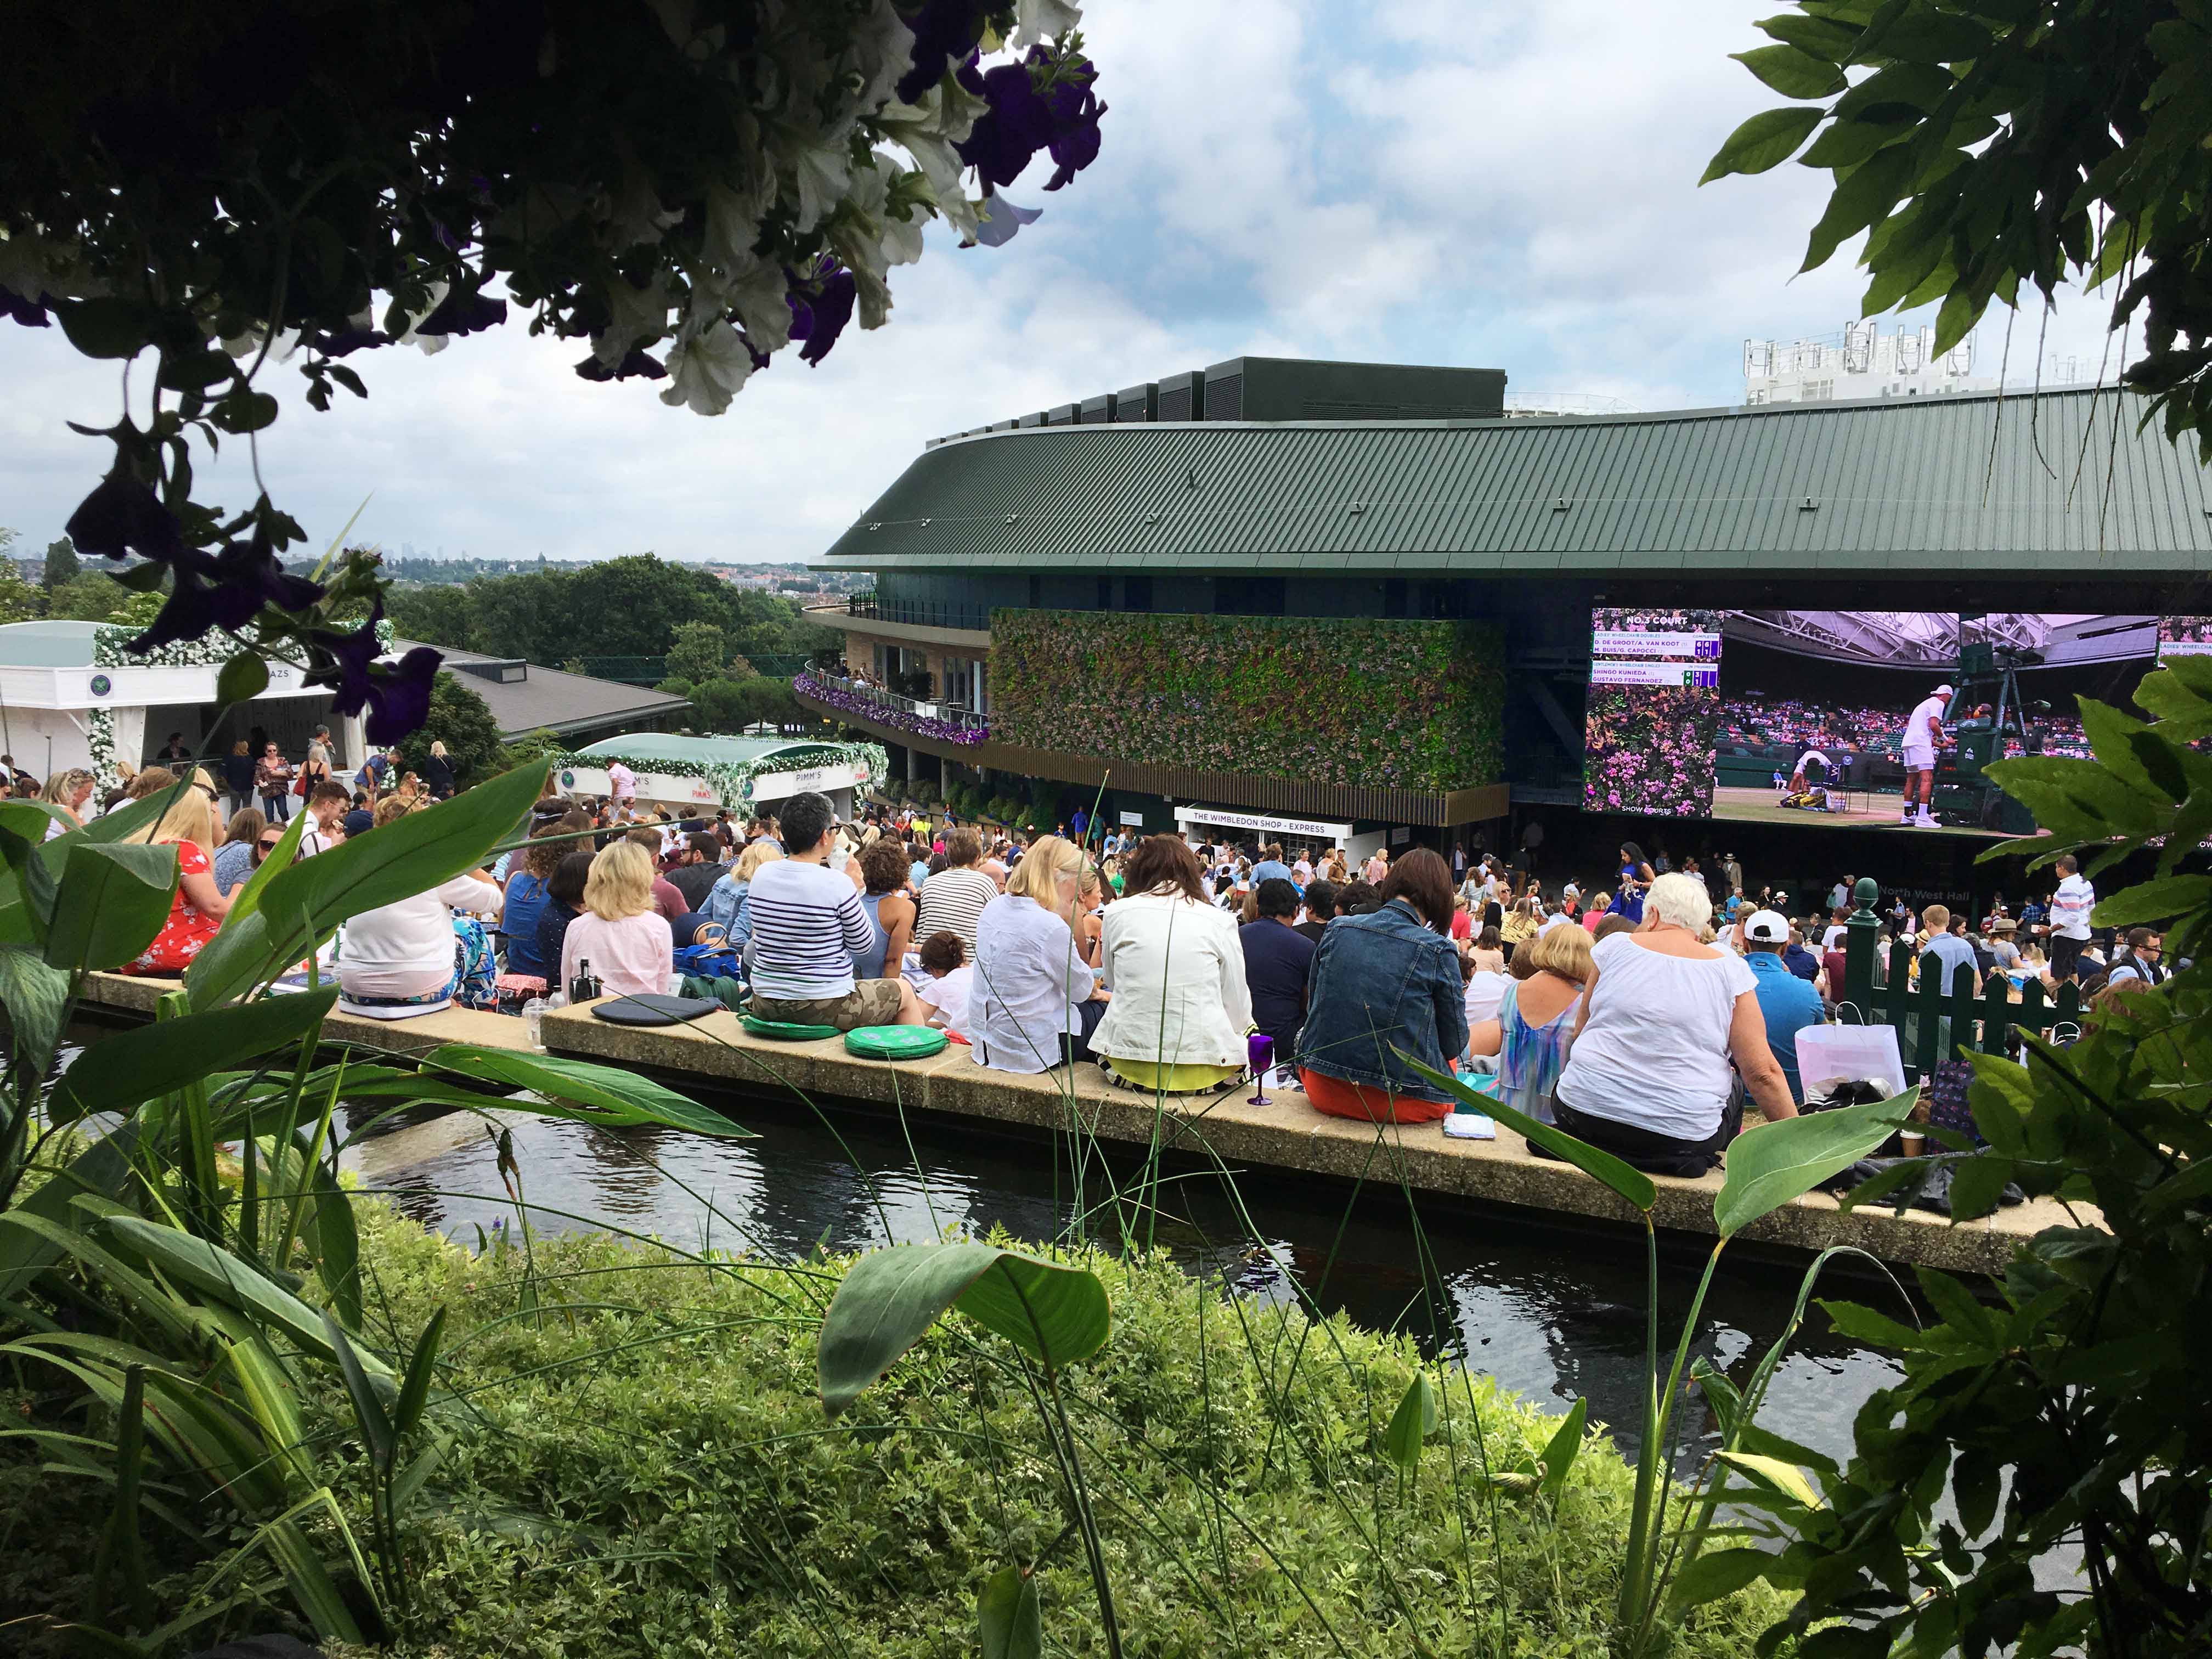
1924,736
327,805
2070,918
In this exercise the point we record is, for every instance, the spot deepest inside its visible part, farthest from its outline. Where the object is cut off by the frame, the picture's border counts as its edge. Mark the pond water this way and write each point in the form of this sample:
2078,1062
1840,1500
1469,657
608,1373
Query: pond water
1554,1313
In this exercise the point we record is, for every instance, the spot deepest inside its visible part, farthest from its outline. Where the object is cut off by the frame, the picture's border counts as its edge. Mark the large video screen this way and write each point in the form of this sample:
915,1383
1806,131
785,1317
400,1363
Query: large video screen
1827,717
1652,713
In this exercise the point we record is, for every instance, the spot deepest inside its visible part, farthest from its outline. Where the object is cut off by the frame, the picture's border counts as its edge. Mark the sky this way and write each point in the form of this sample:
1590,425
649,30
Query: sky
1473,183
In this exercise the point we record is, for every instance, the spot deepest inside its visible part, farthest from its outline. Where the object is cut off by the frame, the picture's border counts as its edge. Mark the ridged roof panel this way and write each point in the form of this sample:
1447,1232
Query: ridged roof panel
2059,483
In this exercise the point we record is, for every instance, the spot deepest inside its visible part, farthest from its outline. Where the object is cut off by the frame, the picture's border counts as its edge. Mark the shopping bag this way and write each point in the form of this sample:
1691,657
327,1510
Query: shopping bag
1828,1055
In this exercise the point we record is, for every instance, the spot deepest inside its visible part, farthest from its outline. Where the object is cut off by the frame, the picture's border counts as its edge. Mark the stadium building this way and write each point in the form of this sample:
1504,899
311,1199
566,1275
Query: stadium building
1358,601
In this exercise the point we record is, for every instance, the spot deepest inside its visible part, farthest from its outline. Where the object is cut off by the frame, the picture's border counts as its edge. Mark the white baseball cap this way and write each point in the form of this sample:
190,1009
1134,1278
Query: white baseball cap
1944,691
1767,928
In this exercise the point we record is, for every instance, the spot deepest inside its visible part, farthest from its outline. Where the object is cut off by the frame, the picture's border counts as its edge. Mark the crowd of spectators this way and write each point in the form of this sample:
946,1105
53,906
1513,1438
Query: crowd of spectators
1754,722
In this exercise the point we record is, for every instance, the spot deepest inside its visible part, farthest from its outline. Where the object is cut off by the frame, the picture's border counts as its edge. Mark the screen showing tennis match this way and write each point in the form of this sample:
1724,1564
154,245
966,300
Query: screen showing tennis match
1651,715
1848,718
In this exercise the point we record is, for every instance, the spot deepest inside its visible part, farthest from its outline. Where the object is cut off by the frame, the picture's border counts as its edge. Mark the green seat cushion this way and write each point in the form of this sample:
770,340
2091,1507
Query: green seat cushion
786,1033
894,1041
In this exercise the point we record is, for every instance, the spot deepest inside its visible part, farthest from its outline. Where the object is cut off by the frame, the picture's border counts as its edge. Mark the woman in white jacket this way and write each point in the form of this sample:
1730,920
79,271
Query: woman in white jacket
1176,967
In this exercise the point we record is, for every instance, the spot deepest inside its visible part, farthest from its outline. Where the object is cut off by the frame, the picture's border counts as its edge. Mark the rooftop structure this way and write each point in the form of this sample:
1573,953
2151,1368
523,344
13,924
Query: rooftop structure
1860,362
525,697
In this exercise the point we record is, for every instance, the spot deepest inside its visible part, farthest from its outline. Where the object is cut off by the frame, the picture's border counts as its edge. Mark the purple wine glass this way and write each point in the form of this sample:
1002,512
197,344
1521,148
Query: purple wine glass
1260,1051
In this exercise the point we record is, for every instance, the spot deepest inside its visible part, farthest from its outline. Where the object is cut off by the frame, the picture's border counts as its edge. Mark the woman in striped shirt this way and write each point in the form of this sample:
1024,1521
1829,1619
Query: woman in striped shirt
953,898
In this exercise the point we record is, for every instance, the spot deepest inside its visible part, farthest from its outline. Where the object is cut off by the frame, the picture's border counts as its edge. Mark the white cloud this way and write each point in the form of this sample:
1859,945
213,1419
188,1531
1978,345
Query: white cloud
1501,185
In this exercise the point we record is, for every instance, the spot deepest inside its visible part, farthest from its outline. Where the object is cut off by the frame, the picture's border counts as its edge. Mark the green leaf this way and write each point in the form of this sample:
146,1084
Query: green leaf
105,327
1054,1312
196,1262
1848,144
2001,1097
1863,196
1921,34
1562,1449
337,1245
606,1095
1768,1166
1792,73
1957,1304
1913,1172
1816,36
244,410
1414,1421
1975,1480
1774,1475
15,922
1715,1573
113,899
415,1389
125,1069
1008,1616
101,1170
407,856
1863,1324
244,677
1977,1184
1631,1182
2148,902
1765,140
36,998
195,371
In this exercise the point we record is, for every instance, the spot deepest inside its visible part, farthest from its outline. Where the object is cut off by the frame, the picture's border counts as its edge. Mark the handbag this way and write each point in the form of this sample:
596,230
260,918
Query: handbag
1826,1052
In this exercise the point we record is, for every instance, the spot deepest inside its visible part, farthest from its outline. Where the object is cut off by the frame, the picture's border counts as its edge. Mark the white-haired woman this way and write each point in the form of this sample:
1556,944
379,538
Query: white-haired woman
1663,1017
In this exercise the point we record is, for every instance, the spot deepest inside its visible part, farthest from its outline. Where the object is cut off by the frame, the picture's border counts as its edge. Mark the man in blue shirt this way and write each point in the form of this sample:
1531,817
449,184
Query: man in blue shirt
1278,961
1271,867
1787,1003
1080,823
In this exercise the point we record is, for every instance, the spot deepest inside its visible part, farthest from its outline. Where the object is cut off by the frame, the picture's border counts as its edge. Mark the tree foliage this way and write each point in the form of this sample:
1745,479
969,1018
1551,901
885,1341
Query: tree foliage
62,563
634,606
697,651
1987,146
2075,1413
727,704
462,722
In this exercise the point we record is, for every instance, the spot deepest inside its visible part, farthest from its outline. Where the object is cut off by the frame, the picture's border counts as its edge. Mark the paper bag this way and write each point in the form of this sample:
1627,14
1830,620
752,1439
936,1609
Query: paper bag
1827,1053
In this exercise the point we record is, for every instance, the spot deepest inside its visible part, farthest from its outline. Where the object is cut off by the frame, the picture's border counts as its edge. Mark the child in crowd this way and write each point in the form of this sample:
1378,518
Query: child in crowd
943,995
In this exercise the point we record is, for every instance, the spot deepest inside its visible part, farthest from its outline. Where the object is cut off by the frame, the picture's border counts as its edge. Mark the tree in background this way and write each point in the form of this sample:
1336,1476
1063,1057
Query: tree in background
730,705
690,189
62,564
699,651
87,598
1991,146
462,722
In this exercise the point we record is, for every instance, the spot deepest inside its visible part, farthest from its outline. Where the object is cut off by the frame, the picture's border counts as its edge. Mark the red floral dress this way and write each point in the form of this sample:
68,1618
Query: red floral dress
187,928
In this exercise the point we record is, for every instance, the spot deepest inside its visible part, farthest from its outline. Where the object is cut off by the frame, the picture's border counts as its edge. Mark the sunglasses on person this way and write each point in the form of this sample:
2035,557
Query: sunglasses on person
271,843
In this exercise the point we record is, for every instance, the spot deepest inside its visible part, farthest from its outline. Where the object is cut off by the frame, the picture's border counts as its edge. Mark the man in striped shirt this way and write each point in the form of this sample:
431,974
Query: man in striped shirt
807,922
953,899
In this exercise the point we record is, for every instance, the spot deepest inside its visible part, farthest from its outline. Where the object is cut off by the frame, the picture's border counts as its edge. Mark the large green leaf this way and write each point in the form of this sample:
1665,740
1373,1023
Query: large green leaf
15,923
1008,1617
113,899
192,1261
1414,1421
1631,1182
1770,1165
605,1095
1564,1447
1054,1312
101,1170
2150,901
125,1069
405,857
1768,140
1715,1573
1792,73
36,998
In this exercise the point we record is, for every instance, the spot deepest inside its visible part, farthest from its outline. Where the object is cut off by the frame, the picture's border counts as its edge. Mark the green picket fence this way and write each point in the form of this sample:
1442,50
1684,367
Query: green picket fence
1933,1025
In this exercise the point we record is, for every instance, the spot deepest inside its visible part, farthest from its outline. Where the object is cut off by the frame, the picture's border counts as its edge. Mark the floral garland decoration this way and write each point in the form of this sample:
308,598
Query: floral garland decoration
733,781
111,648
833,692
100,735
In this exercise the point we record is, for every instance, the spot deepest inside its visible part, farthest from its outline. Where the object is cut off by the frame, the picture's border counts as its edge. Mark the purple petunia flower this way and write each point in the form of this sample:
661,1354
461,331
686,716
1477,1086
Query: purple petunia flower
344,343
943,30
225,589
464,311
639,364
398,698
123,516
19,308
820,311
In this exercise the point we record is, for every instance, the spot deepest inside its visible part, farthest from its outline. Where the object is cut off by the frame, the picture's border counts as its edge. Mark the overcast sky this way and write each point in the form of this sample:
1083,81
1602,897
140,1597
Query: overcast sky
1473,183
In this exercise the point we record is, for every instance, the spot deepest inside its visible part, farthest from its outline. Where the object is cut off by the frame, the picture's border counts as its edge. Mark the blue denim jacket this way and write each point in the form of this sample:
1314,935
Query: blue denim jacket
1381,981
726,904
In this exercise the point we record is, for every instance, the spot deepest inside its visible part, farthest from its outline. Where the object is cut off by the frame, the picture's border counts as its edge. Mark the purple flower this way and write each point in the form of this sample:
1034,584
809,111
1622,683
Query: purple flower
344,343
1004,220
639,364
1016,125
398,698
16,308
943,30
123,516
226,590
464,311
820,308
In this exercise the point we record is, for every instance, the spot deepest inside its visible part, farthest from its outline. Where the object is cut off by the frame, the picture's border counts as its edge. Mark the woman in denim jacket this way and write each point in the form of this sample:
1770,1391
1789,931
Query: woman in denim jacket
1381,982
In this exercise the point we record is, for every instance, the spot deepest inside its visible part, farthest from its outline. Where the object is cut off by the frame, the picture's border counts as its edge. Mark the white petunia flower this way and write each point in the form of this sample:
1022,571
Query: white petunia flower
637,316
430,345
1042,20
883,46
705,371
823,171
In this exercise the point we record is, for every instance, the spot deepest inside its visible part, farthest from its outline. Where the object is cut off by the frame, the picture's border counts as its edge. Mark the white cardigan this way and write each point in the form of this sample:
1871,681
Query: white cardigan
1176,970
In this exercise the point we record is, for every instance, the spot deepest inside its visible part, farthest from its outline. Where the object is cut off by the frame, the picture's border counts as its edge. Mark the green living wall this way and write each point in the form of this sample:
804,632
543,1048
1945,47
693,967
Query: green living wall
1351,702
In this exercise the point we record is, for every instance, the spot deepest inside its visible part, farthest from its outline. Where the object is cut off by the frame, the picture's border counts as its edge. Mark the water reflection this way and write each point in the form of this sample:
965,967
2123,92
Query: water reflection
1552,1314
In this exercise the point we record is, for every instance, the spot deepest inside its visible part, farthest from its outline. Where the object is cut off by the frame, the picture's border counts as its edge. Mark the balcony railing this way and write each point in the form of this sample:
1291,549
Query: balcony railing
944,722
919,613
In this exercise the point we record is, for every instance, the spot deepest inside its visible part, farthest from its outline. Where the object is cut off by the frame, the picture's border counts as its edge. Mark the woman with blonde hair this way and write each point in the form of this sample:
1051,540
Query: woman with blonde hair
67,791
438,772
1534,1021
240,851
727,899
423,953
198,907
629,943
1033,1002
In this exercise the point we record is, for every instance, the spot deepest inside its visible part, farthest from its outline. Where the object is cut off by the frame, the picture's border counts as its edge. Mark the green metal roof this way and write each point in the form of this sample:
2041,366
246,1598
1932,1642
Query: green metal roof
47,644
2061,483
727,751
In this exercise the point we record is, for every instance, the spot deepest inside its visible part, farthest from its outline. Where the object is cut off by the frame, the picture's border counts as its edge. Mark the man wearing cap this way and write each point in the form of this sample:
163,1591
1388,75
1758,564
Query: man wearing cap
1787,1003
1924,736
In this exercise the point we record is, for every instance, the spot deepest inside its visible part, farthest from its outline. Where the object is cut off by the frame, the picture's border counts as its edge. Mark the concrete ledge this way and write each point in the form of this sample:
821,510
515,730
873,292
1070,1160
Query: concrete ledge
130,993
1287,1134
